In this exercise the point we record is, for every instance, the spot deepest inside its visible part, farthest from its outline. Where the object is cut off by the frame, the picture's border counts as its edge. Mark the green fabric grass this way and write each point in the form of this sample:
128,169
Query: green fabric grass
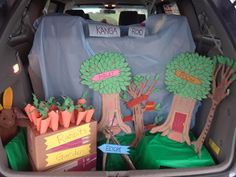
156,151
16,151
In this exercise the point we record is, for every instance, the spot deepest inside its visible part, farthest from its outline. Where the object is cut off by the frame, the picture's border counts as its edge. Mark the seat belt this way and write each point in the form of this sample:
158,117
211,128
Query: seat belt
151,7
203,24
45,9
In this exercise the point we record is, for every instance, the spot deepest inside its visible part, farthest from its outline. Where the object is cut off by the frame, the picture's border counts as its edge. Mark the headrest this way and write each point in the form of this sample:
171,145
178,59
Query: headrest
128,18
75,12
86,16
141,17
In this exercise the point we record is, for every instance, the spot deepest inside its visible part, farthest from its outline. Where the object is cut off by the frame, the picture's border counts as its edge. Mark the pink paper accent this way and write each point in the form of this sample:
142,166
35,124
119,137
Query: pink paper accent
106,75
72,144
86,164
179,120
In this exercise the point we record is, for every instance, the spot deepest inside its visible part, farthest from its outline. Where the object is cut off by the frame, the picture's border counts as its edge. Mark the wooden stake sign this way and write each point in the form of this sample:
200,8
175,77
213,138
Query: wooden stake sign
109,74
224,75
188,76
109,135
140,88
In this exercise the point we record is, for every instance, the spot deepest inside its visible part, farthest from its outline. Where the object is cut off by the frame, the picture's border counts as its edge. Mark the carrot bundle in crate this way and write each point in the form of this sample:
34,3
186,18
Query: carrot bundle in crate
51,114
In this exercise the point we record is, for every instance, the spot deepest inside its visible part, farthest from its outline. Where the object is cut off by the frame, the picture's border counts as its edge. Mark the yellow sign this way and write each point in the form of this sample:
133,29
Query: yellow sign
66,155
214,147
67,136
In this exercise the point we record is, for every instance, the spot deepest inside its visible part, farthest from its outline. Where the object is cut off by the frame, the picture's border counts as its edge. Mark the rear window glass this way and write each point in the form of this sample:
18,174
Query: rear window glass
5,6
110,16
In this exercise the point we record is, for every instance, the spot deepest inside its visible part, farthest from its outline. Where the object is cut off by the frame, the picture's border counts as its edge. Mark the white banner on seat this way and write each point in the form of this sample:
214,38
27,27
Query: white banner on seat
135,31
97,30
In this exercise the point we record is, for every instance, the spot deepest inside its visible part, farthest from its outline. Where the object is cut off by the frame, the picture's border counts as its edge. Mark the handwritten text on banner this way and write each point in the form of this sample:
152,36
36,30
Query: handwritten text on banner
106,75
136,31
97,30
66,155
67,136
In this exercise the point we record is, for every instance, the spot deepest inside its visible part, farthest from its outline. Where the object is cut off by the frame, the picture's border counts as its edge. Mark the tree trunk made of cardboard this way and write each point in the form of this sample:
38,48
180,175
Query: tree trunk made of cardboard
222,78
138,124
177,124
111,114
198,144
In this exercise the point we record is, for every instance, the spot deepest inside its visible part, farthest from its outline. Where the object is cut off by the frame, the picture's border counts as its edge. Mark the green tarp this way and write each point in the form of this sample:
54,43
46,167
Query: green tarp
156,151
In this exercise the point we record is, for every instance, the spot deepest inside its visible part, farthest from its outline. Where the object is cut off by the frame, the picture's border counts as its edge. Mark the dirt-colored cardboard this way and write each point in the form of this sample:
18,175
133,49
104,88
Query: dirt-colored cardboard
58,147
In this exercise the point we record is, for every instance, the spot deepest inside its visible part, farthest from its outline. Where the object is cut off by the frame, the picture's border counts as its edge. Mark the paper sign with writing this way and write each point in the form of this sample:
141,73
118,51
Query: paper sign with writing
72,144
96,30
106,75
114,149
136,31
66,155
67,136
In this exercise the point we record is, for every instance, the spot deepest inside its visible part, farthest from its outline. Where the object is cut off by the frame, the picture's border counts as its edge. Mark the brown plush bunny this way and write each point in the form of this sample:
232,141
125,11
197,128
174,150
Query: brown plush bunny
8,127
10,118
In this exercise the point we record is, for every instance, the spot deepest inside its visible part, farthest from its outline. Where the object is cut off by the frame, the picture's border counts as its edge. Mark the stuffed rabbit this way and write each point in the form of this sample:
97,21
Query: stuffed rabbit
9,117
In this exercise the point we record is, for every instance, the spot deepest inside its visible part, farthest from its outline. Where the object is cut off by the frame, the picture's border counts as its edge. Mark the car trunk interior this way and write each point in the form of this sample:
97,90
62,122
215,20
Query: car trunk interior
17,40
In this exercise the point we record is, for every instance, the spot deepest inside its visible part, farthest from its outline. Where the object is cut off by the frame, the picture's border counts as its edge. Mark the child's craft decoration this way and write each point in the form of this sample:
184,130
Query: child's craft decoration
109,74
140,88
109,136
84,112
224,75
57,147
52,113
9,117
114,149
188,76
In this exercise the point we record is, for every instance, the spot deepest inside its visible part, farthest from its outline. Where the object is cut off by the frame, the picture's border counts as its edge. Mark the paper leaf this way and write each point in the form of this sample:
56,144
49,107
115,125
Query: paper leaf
124,96
158,107
156,90
157,77
35,100
234,66
233,77
158,119
229,61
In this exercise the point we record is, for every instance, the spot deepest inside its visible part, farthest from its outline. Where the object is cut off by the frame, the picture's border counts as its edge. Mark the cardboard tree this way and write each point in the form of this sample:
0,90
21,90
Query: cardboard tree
188,76
224,75
109,74
140,88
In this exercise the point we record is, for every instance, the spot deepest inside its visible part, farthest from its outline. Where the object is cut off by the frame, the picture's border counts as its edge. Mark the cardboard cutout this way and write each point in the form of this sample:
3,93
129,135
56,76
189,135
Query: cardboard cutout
188,76
109,136
222,78
139,90
109,74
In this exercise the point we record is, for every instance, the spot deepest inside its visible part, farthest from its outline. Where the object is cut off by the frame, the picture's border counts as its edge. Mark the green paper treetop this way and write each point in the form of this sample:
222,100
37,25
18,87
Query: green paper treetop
190,75
229,63
107,73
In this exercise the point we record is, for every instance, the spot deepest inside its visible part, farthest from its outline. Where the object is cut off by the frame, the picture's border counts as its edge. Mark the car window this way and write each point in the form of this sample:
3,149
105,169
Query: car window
110,16
5,7
3,12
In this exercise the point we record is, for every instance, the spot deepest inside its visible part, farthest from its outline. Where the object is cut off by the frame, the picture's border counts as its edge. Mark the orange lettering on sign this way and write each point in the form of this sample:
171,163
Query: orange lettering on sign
187,77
